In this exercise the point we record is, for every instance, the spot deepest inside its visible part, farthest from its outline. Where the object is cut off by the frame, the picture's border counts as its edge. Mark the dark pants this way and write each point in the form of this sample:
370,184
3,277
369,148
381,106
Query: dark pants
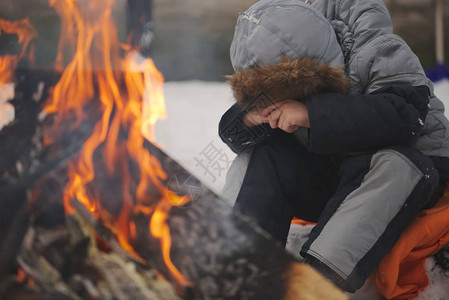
361,203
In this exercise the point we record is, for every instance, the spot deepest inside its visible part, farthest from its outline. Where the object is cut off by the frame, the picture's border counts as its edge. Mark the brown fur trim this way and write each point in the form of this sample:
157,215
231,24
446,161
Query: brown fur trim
290,79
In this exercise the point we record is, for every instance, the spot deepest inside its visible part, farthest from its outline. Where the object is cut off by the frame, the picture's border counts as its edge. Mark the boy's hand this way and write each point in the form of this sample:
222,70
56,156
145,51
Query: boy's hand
287,115
253,118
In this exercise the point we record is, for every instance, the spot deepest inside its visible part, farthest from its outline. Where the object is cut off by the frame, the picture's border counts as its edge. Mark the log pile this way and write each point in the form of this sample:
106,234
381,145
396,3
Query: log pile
65,262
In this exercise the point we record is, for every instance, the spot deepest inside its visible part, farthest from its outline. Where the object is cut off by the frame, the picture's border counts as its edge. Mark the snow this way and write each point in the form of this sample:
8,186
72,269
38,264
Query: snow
442,92
190,131
6,109
438,282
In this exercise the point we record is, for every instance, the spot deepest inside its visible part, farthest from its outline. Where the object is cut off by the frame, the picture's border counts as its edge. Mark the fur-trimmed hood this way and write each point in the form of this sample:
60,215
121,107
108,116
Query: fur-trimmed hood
290,79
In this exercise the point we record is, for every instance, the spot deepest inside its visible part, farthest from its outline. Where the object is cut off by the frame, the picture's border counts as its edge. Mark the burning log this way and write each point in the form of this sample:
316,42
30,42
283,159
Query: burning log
14,224
66,262
124,281
103,232
224,254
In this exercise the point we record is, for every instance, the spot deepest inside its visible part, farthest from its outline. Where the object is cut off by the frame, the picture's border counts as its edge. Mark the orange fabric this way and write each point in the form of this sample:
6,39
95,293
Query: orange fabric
301,222
401,274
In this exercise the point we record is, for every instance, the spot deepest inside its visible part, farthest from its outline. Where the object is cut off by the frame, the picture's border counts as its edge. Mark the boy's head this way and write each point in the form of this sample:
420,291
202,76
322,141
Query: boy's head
286,49
271,29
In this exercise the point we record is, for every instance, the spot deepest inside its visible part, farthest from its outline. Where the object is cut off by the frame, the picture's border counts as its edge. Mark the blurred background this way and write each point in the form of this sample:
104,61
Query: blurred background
192,37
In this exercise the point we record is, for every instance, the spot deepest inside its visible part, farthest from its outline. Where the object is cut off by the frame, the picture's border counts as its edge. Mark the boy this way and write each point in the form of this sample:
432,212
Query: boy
335,123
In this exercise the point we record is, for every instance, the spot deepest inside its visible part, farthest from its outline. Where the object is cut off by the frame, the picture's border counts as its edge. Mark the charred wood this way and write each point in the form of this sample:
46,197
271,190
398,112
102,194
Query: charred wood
14,225
65,263
21,140
9,44
104,233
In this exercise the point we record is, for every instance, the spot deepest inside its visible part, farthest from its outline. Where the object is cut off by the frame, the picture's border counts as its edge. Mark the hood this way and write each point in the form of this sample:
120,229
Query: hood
289,79
271,29
356,22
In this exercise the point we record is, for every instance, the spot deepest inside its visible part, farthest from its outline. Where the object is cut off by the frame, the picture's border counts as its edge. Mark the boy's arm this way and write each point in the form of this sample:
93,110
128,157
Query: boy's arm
238,136
391,116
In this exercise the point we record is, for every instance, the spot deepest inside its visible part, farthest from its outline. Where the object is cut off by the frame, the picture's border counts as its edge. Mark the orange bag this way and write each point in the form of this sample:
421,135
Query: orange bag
401,274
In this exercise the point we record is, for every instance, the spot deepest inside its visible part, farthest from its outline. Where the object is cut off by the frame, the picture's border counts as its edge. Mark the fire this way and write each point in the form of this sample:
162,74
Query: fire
129,92
21,275
25,33
153,94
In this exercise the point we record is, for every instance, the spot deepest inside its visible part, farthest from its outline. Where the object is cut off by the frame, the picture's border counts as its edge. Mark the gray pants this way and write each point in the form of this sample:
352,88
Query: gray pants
361,203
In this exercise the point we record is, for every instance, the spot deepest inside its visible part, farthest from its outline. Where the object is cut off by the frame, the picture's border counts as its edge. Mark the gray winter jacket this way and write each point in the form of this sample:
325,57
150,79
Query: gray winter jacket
377,58
354,34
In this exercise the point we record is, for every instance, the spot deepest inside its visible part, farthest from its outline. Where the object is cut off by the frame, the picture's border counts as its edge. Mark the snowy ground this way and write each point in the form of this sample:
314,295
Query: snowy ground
442,91
190,133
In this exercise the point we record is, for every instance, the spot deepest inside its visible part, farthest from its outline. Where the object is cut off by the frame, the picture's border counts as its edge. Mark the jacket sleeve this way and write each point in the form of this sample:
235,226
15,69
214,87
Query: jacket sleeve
236,134
391,116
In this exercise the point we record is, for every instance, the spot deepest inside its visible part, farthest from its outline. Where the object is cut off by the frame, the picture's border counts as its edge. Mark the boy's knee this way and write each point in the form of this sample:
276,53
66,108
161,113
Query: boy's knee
406,161
410,167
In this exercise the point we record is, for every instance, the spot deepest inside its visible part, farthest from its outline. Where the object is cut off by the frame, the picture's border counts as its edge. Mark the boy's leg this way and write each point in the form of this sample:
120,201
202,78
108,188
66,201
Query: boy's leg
377,198
235,176
281,179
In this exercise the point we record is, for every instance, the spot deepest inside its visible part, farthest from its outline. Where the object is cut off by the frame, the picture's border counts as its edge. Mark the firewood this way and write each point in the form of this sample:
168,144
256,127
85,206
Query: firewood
158,284
88,286
103,232
44,274
82,233
15,223
304,283
123,278
87,272
48,237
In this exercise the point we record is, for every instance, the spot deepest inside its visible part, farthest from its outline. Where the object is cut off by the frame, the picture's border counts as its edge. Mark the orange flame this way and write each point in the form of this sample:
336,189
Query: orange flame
22,276
153,94
26,33
95,70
